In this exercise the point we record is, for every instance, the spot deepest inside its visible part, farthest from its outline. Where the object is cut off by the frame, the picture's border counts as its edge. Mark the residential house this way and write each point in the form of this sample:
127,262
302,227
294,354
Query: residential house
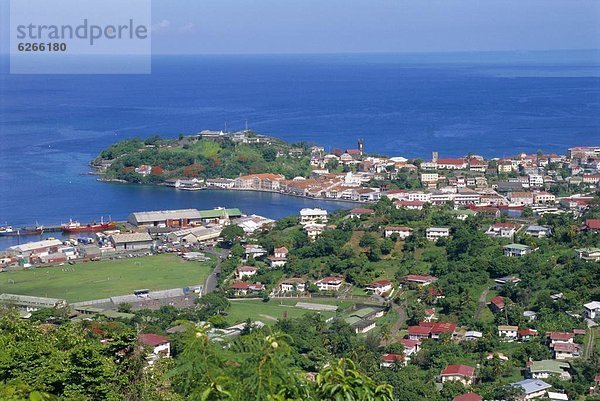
419,279
254,251
521,198
566,350
461,373
539,231
592,309
418,333
279,258
243,272
560,337
549,368
497,304
358,212
592,225
313,215
510,280
314,230
410,347
380,287
472,335
439,328
508,333
392,360
292,285
329,283
409,204
532,388
516,250
241,288
592,254
543,198
401,231
527,334
160,346
502,230
435,233
468,397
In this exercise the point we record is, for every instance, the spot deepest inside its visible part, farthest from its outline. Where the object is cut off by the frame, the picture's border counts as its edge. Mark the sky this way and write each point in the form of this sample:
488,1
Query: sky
357,26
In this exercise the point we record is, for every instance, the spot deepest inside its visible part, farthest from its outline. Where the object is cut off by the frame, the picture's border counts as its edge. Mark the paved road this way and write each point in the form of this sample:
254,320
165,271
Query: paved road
211,281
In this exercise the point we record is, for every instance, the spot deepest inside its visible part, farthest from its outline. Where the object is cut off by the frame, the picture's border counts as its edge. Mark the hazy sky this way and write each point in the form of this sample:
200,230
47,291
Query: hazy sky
315,26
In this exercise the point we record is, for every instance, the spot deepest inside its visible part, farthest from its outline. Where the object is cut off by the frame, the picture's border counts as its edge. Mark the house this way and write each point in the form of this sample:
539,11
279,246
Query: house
560,337
516,250
243,272
566,350
392,360
549,368
439,328
473,335
254,251
532,388
160,346
591,254
418,333
329,283
419,279
240,288
435,233
526,334
468,397
131,242
543,198
316,215
409,204
592,225
410,346
430,314
502,230
508,333
358,212
502,281
553,396
279,258
521,198
539,231
314,230
462,373
292,285
380,287
592,309
401,231
497,304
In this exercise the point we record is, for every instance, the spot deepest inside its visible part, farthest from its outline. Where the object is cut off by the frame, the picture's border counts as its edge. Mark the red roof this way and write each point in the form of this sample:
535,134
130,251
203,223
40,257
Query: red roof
504,225
417,278
498,301
578,331
283,249
566,347
408,343
468,397
239,285
380,283
527,332
360,210
353,151
560,336
392,358
597,378
419,331
398,228
331,280
451,161
246,268
153,339
410,203
439,327
459,370
593,224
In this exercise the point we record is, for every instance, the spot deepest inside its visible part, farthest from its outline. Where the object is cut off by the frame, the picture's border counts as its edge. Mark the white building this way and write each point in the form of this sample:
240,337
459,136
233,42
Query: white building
592,309
508,333
131,242
316,215
401,231
435,233
245,271
516,250
329,283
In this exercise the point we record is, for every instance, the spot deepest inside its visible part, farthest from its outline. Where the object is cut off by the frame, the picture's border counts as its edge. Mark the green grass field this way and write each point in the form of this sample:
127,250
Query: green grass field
270,312
94,280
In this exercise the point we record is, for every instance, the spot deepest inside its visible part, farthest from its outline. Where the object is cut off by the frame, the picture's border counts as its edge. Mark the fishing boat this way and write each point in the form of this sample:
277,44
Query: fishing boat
77,227
7,230
10,231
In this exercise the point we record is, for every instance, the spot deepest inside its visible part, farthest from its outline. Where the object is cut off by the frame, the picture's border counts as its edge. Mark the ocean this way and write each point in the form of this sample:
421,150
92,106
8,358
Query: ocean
493,104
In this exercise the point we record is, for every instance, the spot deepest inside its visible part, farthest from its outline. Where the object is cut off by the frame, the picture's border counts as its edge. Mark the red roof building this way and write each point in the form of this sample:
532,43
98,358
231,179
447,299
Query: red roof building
462,373
153,339
468,397
592,224
419,279
497,304
561,336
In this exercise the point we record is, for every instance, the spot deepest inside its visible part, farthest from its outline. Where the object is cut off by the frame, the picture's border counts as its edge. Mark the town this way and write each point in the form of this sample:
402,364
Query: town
477,279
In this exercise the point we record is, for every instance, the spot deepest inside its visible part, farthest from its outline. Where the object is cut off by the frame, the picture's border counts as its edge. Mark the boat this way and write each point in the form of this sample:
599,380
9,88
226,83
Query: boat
10,231
77,227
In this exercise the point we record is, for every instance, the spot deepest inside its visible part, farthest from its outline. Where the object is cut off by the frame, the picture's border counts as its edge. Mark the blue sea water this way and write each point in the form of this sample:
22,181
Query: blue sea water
494,104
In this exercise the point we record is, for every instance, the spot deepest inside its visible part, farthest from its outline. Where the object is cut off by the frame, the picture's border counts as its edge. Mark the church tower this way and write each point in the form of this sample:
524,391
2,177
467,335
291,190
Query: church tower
360,146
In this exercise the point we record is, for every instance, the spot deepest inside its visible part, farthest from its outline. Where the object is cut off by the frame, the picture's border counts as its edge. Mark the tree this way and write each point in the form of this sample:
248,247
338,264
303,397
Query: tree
232,233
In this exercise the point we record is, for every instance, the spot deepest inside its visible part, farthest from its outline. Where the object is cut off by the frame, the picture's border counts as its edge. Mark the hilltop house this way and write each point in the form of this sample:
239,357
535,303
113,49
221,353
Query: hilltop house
380,287
539,231
243,272
516,250
549,368
392,360
532,388
435,233
329,283
592,309
160,346
502,230
279,258
419,279
316,215
461,373
508,333
401,231
592,254
292,285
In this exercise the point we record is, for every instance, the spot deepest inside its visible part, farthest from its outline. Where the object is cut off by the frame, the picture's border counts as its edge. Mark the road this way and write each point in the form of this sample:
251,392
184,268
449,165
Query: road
211,281
402,317
482,302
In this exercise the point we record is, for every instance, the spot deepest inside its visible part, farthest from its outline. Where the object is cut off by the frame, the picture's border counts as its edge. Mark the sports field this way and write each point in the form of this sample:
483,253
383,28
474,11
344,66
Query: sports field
94,280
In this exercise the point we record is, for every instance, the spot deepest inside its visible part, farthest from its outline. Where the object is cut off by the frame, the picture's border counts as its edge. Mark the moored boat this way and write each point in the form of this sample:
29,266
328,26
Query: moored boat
77,227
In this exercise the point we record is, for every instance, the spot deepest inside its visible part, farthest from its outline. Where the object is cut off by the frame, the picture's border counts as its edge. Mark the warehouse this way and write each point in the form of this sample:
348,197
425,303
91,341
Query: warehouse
165,218
131,242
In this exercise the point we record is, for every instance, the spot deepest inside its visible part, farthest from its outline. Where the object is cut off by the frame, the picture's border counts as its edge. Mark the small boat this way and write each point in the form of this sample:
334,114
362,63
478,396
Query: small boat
77,227
7,230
